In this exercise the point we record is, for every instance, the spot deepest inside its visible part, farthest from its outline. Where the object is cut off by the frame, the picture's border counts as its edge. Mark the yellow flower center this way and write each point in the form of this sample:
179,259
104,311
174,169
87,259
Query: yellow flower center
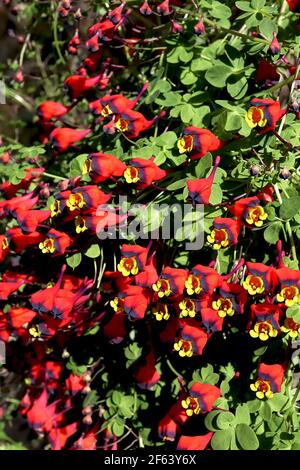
106,111
131,174
161,311
218,238
184,348
191,406
35,331
75,201
263,330
289,295
117,304
185,144
256,215
262,389
290,327
188,308
122,125
128,266
255,117
4,244
55,208
162,287
223,306
193,285
80,224
86,167
254,284
47,246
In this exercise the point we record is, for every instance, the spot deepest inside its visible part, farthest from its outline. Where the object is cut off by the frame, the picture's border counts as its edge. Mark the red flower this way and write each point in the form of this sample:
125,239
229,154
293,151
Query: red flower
101,166
145,9
10,285
163,8
133,300
201,398
199,28
115,329
41,416
211,320
63,137
132,123
147,375
82,198
49,110
231,299
19,316
202,280
104,30
269,381
266,316
117,104
58,436
260,278
10,189
133,259
249,211
115,15
29,220
290,286
56,242
194,442
97,221
92,60
143,172
191,341
274,45
171,282
225,233
266,71
264,113
200,190
43,300
294,5
200,141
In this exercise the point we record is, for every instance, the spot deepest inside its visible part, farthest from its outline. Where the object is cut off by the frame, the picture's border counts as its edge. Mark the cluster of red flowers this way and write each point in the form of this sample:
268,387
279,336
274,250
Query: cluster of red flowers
187,308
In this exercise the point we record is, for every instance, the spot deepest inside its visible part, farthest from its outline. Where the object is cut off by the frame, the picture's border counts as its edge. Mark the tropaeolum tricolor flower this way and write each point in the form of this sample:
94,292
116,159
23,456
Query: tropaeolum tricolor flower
269,380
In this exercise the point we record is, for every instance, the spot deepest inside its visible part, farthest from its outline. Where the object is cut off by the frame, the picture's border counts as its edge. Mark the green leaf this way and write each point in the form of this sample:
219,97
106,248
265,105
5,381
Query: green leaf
77,164
294,313
91,399
237,89
278,401
218,75
221,439
74,260
271,233
233,122
203,165
117,429
267,28
225,420
188,78
289,207
93,251
211,420
242,414
246,437
266,411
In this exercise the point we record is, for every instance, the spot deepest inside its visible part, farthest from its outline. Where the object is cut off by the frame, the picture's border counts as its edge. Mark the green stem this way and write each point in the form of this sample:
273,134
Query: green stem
172,368
55,35
288,226
54,176
296,394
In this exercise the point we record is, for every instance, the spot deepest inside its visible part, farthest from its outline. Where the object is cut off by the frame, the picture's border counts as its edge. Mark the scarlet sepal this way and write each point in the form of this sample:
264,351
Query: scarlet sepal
74,43
266,193
19,241
104,30
132,123
147,375
264,113
77,85
269,381
91,62
225,233
4,248
87,441
164,8
133,259
63,137
274,45
294,5
191,340
249,211
171,282
143,172
260,278
58,436
134,301
201,398
115,329
145,9
170,425
211,321
29,220
202,280
43,300
265,321
49,110
19,316
10,284
97,221
101,166
289,286
266,72
199,28
41,415
176,27
200,189
194,442
199,141
115,15
55,242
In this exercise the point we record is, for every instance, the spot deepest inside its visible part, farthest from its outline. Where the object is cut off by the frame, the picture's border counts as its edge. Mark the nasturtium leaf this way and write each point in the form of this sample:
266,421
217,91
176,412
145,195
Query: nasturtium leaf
225,420
93,251
278,401
74,260
289,208
246,437
294,313
267,27
211,420
221,439
266,411
218,74
242,414
271,233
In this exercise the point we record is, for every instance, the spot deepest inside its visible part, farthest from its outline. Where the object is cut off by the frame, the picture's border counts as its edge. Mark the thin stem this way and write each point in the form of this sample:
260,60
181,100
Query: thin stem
23,50
172,368
56,177
55,35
